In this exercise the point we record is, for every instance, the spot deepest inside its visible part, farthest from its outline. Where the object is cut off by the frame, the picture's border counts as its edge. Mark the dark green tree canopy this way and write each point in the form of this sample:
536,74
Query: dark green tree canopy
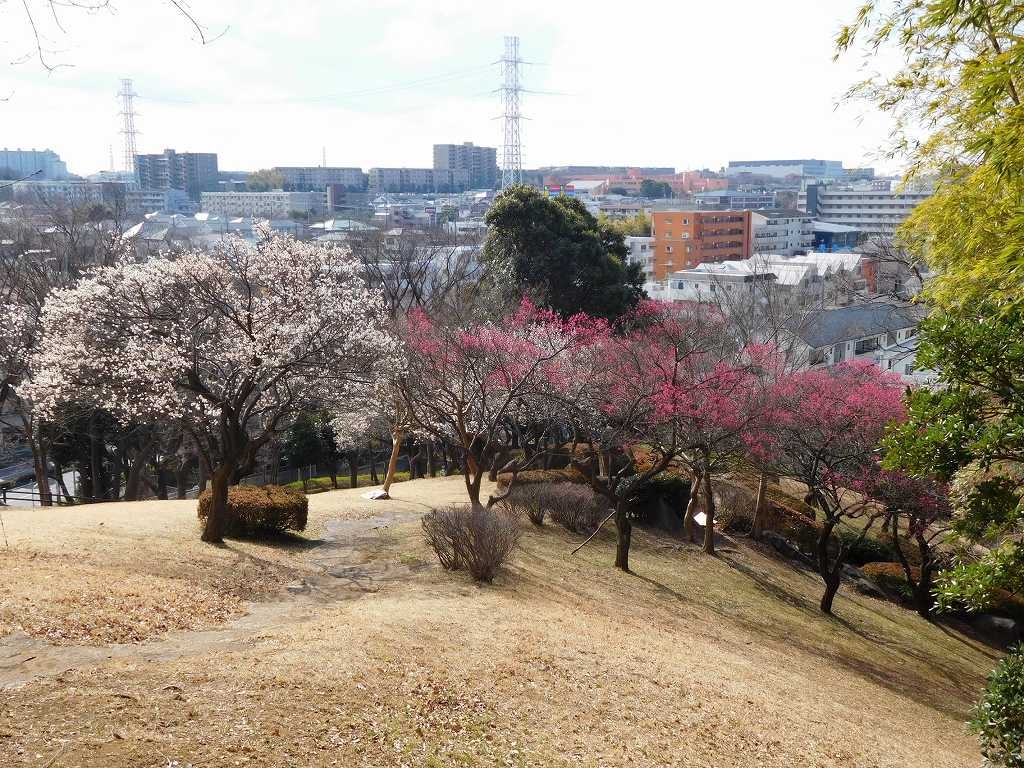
556,251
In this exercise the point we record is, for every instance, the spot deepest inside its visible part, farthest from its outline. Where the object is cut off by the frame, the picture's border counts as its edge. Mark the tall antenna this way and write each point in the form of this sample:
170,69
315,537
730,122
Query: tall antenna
128,114
512,155
112,168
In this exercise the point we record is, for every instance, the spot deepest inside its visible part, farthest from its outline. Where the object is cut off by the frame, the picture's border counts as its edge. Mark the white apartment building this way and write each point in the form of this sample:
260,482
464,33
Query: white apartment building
808,280
882,333
316,178
641,251
874,208
781,231
270,205
18,163
70,193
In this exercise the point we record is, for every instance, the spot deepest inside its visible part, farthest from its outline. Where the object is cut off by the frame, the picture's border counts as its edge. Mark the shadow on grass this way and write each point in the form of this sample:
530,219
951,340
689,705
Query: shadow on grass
284,540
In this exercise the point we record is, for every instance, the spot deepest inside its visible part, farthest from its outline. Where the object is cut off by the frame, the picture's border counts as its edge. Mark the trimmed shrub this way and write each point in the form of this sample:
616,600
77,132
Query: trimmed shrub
661,501
999,717
533,476
891,578
260,510
867,550
799,529
478,540
575,507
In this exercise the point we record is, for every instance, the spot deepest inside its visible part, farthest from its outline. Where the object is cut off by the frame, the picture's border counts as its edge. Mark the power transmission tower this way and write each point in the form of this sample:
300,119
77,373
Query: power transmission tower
512,155
128,115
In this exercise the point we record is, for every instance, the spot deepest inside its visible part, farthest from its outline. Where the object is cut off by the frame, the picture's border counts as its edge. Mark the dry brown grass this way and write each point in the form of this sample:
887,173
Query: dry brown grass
692,661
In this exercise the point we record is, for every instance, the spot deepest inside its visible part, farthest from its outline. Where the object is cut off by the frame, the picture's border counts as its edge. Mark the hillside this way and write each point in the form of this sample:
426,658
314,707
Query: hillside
361,651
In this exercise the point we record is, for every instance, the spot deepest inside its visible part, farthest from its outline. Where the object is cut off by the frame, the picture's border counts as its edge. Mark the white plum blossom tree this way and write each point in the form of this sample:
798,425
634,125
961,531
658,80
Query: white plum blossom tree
229,342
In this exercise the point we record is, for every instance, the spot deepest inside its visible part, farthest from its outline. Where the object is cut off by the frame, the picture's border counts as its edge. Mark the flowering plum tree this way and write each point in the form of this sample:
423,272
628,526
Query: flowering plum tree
825,430
484,388
676,386
228,343
919,509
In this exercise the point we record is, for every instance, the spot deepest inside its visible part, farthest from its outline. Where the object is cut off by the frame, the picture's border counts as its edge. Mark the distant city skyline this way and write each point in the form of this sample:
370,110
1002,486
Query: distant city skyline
667,84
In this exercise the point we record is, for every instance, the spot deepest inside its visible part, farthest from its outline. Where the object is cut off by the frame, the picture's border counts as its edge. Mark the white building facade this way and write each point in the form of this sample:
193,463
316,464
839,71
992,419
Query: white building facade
781,231
271,205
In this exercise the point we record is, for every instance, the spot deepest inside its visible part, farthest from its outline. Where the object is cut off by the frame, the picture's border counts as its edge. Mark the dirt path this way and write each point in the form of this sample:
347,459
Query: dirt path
345,562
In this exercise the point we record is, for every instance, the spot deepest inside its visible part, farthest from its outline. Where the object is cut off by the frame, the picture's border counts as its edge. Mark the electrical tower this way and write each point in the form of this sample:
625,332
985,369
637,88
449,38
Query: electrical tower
128,115
512,154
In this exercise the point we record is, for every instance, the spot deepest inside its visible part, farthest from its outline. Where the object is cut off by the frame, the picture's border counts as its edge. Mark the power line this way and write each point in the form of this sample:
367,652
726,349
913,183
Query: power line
424,82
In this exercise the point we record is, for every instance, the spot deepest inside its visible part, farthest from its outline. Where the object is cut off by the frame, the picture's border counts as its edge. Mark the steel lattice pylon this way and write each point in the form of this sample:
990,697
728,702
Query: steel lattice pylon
127,96
512,154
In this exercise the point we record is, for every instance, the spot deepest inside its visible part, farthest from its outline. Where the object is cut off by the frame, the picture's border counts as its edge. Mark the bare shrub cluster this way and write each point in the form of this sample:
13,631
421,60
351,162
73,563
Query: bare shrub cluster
574,506
475,539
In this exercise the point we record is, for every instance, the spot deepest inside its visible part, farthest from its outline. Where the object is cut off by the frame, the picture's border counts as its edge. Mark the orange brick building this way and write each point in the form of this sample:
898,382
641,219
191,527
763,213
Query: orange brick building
684,239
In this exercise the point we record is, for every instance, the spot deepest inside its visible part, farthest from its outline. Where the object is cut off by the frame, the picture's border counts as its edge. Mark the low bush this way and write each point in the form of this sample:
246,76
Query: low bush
801,530
476,539
867,550
999,717
575,507
533,476
891,578
526,500
734,508
260,510
661,499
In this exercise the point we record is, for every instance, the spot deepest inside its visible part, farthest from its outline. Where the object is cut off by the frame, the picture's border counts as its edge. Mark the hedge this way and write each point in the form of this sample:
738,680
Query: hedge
260,509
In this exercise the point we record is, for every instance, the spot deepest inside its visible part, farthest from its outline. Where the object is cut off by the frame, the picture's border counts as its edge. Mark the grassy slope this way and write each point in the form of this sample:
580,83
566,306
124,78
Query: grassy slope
565,661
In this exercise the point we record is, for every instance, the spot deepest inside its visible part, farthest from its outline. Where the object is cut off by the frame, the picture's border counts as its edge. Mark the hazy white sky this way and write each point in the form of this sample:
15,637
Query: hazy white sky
685,83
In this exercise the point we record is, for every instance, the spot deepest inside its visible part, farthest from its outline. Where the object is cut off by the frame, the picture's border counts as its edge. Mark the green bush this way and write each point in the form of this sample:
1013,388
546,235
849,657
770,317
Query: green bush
664,488
255,510
892,579
867,550
999,717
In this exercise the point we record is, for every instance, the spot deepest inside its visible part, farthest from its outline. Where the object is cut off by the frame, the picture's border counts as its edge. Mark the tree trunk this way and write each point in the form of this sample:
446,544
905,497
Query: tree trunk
624,531
352,457
758,521
396,446
99,476
431,461
829,574
831,588
41,469
220,481
373,467
709,515
59,472
181,479
204,476
691,509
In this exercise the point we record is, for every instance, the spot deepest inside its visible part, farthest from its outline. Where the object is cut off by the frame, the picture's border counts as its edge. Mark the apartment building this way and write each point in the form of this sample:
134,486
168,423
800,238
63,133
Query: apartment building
63,193
783,169
781,230
317,178
641,251
193,172
383,180
876,209
734,200
684,239
264,205
19,163
480,162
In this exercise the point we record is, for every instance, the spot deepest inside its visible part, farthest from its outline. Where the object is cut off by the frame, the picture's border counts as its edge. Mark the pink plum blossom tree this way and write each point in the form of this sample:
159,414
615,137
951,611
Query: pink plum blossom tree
484,388
229,343
825,430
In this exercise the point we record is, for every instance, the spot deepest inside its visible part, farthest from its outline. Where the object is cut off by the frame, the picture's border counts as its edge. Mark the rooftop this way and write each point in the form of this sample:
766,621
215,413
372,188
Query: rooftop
832,326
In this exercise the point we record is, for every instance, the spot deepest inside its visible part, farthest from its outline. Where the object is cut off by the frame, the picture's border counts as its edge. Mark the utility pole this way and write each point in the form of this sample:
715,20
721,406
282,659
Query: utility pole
128,115
512,154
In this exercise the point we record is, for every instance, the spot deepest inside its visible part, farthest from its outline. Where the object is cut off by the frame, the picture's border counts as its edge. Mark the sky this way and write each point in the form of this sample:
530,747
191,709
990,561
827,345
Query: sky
683,83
